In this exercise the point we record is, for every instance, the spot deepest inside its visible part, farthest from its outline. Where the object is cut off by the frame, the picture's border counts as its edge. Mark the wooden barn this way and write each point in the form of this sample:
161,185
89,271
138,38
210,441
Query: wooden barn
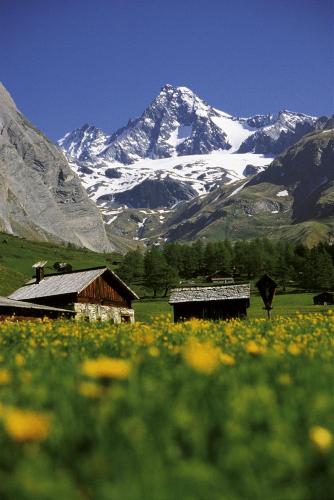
93,294
19,310
221,278
323,299
210,302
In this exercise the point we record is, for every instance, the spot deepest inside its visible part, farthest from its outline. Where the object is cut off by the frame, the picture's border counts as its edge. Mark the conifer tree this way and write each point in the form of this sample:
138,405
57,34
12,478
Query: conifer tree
158,273
132,266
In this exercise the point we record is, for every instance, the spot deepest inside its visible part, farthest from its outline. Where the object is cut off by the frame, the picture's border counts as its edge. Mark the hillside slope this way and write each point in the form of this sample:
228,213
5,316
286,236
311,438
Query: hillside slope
17,256
293,198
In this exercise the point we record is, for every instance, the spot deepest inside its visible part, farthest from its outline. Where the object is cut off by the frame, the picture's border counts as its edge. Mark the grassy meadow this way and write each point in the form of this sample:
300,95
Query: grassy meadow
200,410
161,411
283,305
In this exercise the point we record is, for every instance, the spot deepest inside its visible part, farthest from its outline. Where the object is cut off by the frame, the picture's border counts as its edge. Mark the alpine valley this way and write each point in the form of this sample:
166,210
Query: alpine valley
185,170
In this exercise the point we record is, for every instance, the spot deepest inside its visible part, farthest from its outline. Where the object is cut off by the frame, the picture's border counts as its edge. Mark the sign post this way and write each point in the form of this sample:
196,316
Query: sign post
267,287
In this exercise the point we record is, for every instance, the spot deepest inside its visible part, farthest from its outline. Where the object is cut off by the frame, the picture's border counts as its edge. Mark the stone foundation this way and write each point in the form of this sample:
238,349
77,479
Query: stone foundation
97,312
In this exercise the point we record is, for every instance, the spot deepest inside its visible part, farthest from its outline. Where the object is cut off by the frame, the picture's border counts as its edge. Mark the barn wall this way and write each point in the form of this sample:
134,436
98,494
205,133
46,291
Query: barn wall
98,312
16,317
324,298
214,310
103,292
23,314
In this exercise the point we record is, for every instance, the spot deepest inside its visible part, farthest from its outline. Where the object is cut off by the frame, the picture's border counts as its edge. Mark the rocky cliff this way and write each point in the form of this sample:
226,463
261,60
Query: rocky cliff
40,196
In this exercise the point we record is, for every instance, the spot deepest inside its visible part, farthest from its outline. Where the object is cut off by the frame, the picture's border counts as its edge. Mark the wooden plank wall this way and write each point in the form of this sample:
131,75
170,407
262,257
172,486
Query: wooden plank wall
103,292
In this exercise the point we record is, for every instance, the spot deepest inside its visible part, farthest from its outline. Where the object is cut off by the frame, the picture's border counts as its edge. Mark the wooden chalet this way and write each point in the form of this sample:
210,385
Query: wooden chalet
221,278
323,299
93,294
210,302
18,310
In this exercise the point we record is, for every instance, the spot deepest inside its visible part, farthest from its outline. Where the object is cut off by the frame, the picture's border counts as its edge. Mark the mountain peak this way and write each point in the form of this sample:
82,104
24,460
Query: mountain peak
88,126
179,92
78,142
167,88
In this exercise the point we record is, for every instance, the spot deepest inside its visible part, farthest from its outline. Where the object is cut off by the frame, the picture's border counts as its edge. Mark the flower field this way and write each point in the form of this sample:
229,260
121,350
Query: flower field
201,410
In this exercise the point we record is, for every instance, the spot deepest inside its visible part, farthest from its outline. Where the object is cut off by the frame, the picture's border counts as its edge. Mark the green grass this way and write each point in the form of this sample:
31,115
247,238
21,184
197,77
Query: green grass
18,255
147,309
283,305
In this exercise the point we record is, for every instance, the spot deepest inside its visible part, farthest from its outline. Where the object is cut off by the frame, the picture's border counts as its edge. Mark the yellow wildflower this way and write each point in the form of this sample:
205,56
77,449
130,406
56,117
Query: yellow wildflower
91,390
227,359
202,356
107,368
321,438
284,379
154,351
294,349
254,348
148,338
23,425
5,376
19,359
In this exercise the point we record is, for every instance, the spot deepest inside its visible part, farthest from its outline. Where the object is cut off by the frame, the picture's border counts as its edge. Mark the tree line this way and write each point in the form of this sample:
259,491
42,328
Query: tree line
159,268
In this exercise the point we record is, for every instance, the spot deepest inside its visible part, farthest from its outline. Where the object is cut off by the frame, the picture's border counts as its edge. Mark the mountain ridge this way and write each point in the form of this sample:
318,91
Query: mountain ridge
179,136
293,198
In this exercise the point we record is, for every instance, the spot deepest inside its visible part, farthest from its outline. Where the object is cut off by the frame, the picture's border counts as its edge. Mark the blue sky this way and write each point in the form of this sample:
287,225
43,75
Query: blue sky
67,62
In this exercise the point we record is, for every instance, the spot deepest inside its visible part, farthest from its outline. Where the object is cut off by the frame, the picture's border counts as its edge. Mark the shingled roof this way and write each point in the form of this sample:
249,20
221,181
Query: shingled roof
18,304
66,283
209,293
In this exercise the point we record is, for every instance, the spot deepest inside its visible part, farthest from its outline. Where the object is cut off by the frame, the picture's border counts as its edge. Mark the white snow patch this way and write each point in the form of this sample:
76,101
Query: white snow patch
283,193
141,224
236,132
236,191
200,171
110,221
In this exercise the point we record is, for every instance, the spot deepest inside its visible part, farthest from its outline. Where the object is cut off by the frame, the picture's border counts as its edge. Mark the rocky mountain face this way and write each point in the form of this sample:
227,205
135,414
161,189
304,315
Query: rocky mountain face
177,122
179,151
40,195
306,171
153,193
279,133
180,139
84,143
293,198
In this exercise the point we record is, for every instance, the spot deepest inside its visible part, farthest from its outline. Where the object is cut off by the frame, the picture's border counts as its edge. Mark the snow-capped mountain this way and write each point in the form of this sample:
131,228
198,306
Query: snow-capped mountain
179,147
292,199
280,133
83,143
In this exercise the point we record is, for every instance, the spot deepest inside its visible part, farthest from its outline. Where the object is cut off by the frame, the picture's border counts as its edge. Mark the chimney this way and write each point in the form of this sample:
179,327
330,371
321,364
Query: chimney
39,266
